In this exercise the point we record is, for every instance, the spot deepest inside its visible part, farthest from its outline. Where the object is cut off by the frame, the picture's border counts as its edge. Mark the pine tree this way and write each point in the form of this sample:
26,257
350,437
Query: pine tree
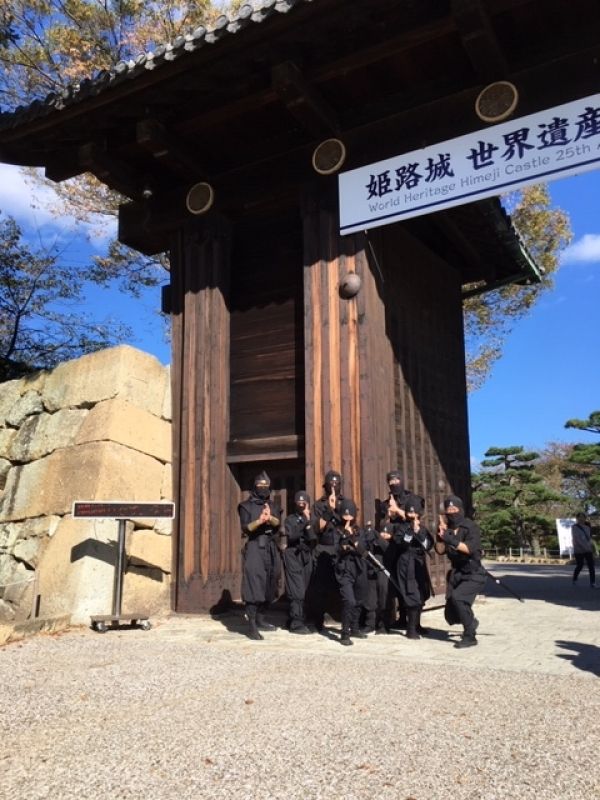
512,500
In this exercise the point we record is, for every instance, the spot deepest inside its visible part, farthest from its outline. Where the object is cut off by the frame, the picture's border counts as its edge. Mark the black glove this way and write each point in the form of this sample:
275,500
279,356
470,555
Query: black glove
451,539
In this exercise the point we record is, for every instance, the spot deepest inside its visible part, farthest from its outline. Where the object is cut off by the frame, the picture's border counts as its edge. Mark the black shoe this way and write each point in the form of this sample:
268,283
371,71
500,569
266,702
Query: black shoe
263,625
346,640
381,629
302,629
358,634
366,630
466,641
253,632
412,635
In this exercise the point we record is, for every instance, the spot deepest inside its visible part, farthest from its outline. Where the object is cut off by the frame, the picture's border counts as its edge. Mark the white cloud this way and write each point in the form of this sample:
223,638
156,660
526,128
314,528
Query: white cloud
31,204
585,250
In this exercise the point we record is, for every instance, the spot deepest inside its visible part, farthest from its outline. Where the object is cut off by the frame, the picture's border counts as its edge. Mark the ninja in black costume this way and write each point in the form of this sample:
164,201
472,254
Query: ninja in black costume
260,520
298,559
350,570
413,541
460,539
324,590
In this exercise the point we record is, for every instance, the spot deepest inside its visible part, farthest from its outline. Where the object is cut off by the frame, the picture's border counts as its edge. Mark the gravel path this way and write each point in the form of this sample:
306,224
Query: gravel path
191,709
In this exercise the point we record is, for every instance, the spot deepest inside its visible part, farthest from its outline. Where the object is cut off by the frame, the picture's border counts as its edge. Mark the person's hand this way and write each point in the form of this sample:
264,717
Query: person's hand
265,514
306,512
331,500
385,535
442,526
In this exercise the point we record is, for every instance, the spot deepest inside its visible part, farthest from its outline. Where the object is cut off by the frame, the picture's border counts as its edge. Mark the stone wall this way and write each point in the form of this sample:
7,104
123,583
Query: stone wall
95,428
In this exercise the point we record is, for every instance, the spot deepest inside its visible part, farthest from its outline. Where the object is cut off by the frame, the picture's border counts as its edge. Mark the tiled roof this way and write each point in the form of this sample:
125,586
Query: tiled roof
249,14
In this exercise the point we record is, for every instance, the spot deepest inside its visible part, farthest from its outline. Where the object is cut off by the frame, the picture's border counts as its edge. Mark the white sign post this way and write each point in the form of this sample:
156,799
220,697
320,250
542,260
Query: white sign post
551,144
565,541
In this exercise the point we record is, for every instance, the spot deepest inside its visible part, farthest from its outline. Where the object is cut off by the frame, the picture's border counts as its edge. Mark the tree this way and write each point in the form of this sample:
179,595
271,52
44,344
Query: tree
512,500
489,317
38,326
583,462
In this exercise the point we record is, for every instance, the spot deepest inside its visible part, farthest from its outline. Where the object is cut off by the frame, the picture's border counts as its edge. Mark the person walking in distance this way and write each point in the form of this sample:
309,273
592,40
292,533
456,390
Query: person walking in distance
260,519
583,548
460,539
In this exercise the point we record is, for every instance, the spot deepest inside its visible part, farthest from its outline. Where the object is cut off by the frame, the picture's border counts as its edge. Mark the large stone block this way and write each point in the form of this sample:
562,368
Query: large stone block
44,433
77,569
28,404
93,471
10,391
119,371
167,409
76,574
119,421
150,549
7,436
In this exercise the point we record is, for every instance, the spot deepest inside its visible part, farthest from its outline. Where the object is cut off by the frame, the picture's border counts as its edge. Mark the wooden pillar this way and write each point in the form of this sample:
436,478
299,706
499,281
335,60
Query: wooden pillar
206,552
349,388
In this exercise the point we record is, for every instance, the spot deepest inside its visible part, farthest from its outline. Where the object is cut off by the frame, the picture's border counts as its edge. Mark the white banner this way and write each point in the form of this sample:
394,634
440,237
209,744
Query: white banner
551,144
565,541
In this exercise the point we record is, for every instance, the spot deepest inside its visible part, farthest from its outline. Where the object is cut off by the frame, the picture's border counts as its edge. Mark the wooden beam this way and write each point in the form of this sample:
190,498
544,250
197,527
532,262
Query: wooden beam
479,39
170,150
304,102
114,173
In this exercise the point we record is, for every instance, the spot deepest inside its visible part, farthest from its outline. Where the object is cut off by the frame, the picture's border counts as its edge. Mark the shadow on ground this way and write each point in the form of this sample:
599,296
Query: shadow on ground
542,582
585,657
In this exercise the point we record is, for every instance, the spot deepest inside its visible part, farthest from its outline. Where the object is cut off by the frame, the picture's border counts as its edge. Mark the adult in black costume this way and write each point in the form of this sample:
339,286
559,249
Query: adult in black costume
260,520
324,590
460,538
390,512
350,571
300,537
413,541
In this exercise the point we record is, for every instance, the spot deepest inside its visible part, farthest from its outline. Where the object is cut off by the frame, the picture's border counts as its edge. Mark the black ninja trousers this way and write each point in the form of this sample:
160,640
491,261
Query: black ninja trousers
460,596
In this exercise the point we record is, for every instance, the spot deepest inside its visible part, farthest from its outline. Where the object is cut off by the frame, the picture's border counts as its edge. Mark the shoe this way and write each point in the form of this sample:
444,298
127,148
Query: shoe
253,632
366,631
467,641
301,630
381,629
263,625
412,635
346,640
358,634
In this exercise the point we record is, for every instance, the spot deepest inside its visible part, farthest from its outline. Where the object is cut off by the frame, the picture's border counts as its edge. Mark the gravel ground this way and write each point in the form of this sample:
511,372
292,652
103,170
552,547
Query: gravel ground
135,714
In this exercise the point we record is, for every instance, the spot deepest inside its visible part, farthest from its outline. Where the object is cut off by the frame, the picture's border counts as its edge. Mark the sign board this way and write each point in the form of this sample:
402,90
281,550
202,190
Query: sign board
120,509
565,542
541,147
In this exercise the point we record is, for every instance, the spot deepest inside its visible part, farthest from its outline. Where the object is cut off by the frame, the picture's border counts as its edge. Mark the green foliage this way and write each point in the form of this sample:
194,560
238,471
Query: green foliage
489,317
38,324
513,502
583,462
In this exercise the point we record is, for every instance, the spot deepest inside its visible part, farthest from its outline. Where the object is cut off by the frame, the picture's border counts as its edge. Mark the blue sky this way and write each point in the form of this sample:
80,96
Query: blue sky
549,369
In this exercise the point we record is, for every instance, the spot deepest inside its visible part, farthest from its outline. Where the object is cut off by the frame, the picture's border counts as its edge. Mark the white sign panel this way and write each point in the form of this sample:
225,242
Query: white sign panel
565,541
551,144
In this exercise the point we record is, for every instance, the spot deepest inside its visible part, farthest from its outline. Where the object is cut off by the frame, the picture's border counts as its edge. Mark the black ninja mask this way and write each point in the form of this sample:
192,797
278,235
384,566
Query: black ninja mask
346,508
302,500
262,486
394,479
414,505
455,517
333,482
